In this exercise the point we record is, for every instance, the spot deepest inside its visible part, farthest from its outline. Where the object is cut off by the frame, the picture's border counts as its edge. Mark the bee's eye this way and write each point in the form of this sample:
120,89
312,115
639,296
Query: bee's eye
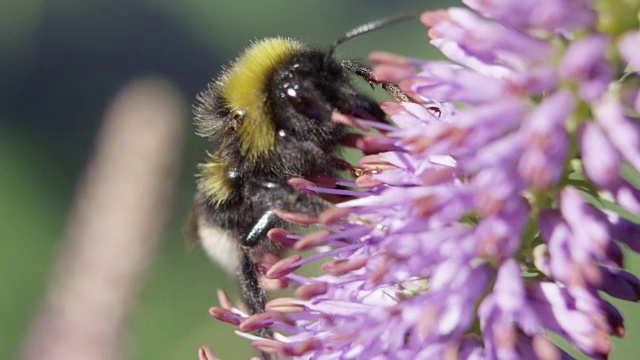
307,101
292,93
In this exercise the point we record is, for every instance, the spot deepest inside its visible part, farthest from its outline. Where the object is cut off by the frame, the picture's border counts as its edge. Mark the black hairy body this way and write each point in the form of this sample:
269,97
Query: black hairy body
300,97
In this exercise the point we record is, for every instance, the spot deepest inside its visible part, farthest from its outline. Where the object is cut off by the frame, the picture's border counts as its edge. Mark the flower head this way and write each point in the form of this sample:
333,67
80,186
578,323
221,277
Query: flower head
474,231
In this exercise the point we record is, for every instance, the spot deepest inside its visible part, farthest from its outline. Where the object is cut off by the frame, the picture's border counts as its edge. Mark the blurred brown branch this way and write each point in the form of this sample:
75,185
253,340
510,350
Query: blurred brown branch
120,210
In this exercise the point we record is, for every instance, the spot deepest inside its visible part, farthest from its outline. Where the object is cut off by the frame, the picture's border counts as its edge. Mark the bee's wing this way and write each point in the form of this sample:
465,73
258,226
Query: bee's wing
190,227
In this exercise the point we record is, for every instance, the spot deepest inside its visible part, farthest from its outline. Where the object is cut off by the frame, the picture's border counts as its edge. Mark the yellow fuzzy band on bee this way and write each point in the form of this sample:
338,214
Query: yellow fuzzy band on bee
214,180
244,87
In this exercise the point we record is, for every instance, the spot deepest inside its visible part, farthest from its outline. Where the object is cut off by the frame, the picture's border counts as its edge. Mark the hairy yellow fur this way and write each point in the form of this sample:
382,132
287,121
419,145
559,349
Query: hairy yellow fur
214,181
244,88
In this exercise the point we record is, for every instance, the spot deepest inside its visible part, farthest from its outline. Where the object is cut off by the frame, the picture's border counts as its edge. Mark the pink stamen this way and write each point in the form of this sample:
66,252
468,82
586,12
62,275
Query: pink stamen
309,291
338,191
269,346
283,267
296,218
224,300
342,267
302,185
333,215
348,120
273,284
383,57
206,353
367,181
285,305
373,144
328,253
312,240
283,236
256,322
349,183
393,73
225,315
393,108
379,125
299,279
301,348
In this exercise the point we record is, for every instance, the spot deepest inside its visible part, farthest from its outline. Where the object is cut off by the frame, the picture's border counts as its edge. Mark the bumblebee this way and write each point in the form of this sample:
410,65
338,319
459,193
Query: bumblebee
272,111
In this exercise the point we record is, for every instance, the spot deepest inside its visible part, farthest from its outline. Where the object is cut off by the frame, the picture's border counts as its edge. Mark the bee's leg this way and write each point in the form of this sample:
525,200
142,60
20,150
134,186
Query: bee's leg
271,194
365,73
253,295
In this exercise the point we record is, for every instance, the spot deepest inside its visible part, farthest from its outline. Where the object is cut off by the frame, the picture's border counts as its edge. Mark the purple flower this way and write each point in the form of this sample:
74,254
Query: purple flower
476,228
621,130
546,141
489,42
628,47
585,64
561,312
550,15
601,160
443,80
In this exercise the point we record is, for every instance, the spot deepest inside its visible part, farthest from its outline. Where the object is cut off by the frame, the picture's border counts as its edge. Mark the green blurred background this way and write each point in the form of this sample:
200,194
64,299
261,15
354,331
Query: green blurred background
60,63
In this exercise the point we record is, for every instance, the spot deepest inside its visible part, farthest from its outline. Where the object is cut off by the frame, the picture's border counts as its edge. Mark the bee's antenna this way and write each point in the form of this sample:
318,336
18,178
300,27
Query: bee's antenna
368,27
